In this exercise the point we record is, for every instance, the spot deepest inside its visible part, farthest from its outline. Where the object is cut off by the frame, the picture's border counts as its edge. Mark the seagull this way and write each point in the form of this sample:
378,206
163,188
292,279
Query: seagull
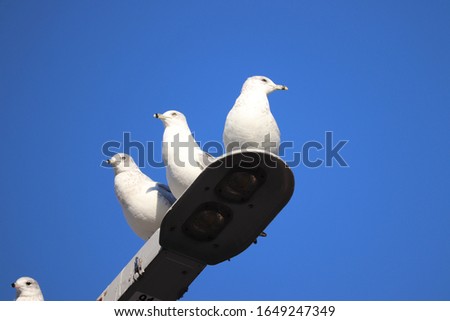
182,156
27,289
250,124
144,202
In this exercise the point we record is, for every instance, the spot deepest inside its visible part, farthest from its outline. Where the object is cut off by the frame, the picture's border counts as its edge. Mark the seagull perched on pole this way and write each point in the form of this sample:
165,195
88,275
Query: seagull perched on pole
144,202
250,124
183,158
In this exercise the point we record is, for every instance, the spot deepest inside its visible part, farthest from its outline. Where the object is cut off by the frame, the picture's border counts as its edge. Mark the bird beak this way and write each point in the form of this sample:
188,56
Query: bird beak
160,116
281,87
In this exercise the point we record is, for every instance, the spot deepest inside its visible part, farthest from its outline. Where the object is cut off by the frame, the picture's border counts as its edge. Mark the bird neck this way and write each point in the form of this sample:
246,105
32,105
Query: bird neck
179,134
253,100
30,296
177,143
131,168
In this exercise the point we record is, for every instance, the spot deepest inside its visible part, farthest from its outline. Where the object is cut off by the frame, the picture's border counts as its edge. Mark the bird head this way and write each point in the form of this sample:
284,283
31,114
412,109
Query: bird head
121,162
27,287
261,83
172,117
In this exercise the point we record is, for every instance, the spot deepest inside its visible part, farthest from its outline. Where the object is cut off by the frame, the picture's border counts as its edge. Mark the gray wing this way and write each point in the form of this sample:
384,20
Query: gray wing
203,159
165,191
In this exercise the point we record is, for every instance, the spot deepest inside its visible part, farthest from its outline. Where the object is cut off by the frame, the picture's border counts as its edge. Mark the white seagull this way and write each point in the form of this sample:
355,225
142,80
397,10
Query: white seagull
250,124
144,202
27,289
182,156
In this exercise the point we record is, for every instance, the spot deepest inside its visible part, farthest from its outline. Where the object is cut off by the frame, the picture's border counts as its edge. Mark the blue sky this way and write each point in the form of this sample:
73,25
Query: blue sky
77,74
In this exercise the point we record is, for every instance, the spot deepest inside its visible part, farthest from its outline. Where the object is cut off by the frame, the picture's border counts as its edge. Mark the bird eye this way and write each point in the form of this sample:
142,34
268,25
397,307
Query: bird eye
123,157
28,283
174,114
264,79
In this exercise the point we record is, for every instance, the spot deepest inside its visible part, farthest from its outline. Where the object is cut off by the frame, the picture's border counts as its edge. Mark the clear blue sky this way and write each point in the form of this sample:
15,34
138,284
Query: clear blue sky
76,74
